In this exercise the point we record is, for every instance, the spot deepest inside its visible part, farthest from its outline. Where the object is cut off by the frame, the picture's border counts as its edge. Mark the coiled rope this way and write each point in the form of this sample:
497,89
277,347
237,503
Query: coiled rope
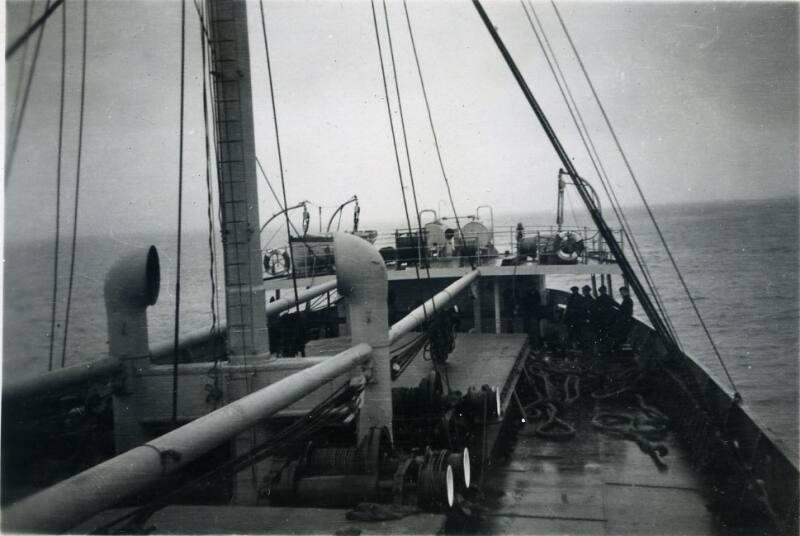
557,385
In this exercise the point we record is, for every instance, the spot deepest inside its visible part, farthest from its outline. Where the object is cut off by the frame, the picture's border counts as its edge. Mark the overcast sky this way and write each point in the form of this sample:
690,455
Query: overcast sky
704,98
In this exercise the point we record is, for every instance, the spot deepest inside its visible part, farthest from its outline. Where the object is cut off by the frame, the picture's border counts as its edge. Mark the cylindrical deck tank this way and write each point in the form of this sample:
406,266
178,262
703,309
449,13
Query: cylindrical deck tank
435,233
476,233
528,246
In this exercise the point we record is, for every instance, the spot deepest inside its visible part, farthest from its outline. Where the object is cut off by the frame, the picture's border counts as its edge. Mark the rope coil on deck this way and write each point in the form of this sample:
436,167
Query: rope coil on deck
557,385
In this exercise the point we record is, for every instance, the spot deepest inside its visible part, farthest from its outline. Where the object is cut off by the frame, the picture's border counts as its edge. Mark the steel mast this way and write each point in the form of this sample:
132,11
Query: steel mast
235,139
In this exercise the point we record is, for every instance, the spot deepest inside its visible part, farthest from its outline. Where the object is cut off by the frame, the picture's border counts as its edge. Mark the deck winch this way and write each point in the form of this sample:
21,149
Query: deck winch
371,472
427,415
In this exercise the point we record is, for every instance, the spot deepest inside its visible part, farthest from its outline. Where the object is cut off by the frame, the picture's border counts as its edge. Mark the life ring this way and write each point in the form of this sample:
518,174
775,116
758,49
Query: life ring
569,249
277,262
564,255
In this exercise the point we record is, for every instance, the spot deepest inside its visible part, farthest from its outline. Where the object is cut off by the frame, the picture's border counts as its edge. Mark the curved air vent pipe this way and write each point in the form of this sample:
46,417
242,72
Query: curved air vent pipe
132,284
362,280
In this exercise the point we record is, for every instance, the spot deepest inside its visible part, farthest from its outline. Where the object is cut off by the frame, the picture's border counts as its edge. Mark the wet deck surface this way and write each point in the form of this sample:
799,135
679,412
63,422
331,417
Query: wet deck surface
476,360
594,484
186,519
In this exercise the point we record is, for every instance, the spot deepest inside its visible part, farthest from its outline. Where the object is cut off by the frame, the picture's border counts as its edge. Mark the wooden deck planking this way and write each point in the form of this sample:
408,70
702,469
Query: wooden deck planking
646,510
595,484
478,358
197,519
519,525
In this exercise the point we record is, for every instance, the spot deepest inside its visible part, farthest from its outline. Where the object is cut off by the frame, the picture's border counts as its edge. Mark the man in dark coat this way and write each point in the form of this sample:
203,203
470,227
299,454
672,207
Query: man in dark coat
588,303
625,320
573,317
587,327
530,308
603,316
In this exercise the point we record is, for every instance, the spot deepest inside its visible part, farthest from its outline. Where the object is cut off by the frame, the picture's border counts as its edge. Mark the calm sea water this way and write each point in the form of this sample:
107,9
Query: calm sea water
740,261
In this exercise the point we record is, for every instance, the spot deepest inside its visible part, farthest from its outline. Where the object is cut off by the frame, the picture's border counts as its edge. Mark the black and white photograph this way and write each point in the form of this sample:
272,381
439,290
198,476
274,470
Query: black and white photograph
355,267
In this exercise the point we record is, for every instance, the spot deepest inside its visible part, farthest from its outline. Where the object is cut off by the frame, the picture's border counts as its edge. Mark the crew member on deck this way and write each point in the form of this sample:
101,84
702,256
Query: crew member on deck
588,304
603,316
530,314
625,319
587,327
573,317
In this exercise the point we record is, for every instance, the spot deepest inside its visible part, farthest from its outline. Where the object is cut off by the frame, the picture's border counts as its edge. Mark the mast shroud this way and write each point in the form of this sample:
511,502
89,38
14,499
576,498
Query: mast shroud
602,226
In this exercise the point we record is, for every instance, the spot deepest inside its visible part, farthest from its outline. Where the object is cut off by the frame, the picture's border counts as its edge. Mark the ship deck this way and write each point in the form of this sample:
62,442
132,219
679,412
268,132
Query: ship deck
454,272
594,483
478,359
225,519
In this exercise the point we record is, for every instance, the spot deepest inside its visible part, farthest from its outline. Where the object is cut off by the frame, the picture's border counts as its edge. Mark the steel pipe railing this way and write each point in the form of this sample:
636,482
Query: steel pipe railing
188,342
283,304
60,379
68,503
203,337
440,300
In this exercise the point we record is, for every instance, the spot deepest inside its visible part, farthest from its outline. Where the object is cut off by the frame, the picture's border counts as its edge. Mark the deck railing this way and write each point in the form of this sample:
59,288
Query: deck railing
58,380
68,503
400,248
74,500
199,342
427,309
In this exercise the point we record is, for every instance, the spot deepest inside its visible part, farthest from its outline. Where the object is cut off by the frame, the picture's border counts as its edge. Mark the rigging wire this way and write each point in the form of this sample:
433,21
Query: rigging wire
300,235
433,128
594,157
21,73
209,188
218,344
605,181
405,143
202,20
40,22
644,201
79,161
391,122
558,147
214,121
58,185
271,238
24,106
180,219
280,156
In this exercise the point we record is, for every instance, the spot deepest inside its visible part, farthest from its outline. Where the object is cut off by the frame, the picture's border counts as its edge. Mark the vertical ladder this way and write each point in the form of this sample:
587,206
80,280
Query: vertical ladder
244,291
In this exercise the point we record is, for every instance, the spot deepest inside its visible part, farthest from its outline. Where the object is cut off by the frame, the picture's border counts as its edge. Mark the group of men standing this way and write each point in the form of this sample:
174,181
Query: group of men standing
598,324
